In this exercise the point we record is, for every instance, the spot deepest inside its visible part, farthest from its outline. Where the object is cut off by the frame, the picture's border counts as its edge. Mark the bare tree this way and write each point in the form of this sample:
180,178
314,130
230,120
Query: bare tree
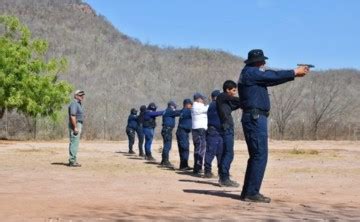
285,100
328,100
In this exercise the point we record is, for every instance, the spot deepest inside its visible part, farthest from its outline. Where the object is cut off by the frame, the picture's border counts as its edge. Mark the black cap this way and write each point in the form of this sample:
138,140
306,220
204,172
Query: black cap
255,55
142,108
187,101
152,107
133,111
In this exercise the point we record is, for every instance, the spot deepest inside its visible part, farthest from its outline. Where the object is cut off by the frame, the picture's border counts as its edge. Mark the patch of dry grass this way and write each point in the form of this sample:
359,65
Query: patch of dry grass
297,151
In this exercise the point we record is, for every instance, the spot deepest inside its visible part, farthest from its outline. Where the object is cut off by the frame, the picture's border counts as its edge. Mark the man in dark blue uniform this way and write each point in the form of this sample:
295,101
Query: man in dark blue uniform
182,134
149,125
168,125
132,126
214,141
139,130
254,96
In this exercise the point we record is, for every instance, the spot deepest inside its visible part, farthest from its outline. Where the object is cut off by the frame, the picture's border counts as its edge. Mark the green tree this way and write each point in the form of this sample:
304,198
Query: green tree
28,80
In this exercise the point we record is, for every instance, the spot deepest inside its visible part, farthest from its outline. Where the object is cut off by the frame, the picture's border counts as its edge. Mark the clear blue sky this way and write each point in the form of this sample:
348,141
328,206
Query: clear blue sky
325,33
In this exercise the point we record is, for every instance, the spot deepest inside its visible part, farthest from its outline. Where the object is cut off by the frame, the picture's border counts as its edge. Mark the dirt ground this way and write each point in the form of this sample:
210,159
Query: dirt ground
307,180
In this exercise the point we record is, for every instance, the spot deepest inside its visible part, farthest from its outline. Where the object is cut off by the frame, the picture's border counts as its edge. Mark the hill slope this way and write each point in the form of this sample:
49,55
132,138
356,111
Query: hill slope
116,71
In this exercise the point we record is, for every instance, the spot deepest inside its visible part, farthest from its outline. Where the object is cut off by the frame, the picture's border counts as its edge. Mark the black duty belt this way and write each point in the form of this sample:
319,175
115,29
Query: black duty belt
257,112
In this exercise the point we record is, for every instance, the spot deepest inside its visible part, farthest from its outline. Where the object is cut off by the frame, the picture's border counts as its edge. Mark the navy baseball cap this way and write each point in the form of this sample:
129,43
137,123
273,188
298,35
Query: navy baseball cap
187,101
215,93
171,103
199,96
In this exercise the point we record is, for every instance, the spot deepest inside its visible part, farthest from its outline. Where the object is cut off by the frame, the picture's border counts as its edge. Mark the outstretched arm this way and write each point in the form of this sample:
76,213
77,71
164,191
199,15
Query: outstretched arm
273,78
157,113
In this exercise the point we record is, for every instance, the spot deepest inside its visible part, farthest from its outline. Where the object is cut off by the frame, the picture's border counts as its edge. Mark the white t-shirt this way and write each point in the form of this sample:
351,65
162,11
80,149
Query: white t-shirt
199,115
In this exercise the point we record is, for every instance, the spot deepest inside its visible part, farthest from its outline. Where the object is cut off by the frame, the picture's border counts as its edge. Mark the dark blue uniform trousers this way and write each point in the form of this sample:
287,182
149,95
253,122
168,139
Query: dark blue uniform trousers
149,136
228,153
166,134
255,132
140,134
199,139
182,137
131,136
214,147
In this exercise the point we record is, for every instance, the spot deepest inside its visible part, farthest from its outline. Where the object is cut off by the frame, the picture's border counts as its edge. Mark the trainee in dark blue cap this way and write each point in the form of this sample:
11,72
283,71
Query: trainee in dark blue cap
215,93
199,96
171,103
187,101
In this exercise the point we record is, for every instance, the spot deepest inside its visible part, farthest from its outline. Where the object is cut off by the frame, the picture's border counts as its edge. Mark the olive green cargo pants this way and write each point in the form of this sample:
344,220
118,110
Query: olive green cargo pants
74,143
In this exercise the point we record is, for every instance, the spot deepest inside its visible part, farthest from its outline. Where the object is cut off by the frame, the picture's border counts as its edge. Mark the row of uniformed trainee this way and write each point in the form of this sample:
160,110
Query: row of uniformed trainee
212,126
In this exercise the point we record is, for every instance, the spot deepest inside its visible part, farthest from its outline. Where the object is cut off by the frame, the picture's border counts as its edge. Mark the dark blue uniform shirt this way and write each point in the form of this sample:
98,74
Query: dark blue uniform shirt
149,118
185,119
132,122
253,84
213,117
169,117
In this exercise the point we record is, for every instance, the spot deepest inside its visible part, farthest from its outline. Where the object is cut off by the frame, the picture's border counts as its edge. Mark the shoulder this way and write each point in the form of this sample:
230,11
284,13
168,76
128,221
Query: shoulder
73,104
250,69
220,97
212,105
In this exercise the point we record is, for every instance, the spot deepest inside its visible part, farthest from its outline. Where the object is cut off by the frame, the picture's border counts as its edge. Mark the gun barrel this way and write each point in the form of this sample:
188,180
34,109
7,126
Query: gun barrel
308,65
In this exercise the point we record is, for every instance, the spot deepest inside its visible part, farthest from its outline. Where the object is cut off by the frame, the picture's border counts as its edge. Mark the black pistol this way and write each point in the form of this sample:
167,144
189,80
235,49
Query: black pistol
308,65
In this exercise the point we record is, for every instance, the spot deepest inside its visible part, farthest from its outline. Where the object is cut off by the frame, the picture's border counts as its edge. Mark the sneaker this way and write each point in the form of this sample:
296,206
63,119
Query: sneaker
74,165
167,164
150,158
257,198
141,154
209,175
187,168
196,174
131,152
228,183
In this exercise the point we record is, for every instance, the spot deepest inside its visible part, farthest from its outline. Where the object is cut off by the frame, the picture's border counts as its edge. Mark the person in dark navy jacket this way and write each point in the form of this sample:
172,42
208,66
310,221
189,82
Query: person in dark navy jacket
139,130
168,125
214,141
182,134
149,125
131,128
254,96
226,103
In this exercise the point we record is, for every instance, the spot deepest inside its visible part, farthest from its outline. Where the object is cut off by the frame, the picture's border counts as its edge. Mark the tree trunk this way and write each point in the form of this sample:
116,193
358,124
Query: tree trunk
2,112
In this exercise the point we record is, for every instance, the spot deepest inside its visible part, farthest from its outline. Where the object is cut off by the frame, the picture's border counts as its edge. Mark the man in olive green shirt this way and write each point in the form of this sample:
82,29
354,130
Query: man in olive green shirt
76,120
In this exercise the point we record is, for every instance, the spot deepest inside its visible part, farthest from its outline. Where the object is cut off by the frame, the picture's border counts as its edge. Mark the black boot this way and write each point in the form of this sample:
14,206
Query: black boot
150,158
167,164
208,174
184,166
141,152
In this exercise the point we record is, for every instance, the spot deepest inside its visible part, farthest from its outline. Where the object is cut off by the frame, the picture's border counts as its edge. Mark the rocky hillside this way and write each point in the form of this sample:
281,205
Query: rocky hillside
117,71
